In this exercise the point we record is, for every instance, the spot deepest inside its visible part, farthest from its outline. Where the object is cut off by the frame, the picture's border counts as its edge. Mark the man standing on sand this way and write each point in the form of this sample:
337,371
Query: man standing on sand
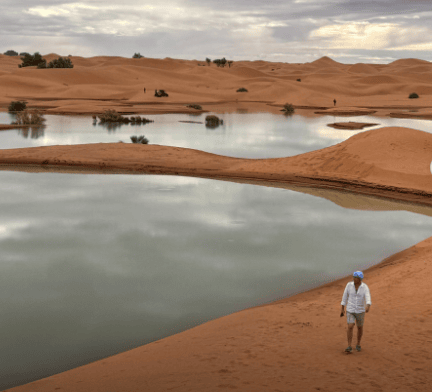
334,102
356,293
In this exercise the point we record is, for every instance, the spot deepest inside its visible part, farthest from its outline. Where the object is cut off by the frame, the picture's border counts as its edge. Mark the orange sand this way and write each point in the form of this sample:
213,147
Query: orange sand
295,344
99,83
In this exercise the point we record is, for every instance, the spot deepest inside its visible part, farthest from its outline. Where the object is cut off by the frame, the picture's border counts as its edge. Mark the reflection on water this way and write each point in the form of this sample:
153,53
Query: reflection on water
33,132
93,265
243,135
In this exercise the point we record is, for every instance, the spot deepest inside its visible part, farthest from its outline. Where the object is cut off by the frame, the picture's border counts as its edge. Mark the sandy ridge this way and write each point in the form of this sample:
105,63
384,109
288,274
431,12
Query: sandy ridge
392,162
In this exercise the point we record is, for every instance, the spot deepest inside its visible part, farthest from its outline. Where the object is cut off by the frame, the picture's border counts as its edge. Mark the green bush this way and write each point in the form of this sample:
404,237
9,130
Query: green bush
10,53
208,61
29,117
242,90
220,62
112,116
213,121
413,95
139,139
288,108
61,62
194,106
298,80
29,60
137,56
17,106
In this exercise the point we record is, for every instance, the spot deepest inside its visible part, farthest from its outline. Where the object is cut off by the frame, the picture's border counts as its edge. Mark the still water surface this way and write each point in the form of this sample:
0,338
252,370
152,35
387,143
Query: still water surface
255,135
93,265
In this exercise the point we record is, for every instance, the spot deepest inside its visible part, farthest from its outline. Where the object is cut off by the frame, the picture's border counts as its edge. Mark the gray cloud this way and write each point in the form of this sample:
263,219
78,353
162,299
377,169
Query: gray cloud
292,31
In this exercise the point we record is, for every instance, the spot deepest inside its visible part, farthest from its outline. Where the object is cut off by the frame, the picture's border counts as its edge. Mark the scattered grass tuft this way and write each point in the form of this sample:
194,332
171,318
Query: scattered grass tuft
139,139
194,106
288,108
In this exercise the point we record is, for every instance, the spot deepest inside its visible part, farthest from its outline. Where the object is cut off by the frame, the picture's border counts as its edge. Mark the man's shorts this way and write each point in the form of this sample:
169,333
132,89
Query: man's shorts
353,317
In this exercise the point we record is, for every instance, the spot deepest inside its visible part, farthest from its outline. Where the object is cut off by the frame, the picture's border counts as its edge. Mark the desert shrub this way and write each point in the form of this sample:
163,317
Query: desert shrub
111,116
29,117
138,120
61,62
220,62
288,108
413,95
29,60
10,53
298,80
23,54
160,93
213,121
139,139
194,106
242,90
229,63
137,55
17,106
208,61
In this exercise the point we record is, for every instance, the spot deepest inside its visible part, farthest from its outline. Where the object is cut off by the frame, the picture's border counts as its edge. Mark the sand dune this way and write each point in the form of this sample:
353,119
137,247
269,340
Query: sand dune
188,81
362,68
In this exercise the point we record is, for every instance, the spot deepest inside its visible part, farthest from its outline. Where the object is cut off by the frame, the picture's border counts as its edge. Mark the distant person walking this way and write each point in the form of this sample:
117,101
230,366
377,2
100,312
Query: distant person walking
334,102
144,90
356,294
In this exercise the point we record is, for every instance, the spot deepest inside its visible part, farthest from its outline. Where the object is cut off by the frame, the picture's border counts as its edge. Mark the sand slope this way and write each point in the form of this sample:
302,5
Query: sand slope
393,162
295,344
191,81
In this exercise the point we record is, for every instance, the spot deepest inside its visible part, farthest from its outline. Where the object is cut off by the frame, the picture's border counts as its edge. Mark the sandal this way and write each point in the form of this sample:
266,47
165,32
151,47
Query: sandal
348,349
358,348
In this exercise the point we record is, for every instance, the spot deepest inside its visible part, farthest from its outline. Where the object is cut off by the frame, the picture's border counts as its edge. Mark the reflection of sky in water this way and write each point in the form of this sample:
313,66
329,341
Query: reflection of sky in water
255,135
94,265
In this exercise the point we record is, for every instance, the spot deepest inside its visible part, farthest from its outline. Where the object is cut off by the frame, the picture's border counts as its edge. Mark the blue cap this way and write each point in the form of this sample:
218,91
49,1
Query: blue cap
358,274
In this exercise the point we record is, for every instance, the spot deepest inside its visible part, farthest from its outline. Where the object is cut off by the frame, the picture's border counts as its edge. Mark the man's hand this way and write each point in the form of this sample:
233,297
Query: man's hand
367,308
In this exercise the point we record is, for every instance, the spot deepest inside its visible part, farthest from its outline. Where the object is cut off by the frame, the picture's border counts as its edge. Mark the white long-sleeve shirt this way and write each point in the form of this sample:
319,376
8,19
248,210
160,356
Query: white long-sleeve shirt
356,299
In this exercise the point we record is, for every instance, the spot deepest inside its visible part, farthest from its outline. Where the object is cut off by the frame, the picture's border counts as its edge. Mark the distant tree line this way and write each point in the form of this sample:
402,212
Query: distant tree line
220,62
13,53
29,60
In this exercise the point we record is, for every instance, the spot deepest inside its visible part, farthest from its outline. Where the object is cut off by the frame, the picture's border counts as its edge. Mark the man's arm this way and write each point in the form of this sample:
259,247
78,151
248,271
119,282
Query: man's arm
368,299
344,300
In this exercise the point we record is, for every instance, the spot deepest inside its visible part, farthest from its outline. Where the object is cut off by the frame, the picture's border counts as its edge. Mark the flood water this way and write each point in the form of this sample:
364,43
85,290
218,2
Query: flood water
93,265
255,135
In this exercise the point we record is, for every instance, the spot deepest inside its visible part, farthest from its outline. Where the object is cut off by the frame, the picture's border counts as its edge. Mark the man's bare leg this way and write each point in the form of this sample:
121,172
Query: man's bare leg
359,334
350,333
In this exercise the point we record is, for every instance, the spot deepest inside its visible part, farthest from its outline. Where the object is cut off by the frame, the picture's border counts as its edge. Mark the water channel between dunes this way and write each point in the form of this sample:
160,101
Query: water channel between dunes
93,265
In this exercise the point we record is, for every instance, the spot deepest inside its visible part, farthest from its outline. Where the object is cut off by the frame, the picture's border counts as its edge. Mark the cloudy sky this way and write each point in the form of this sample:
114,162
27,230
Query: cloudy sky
293,31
